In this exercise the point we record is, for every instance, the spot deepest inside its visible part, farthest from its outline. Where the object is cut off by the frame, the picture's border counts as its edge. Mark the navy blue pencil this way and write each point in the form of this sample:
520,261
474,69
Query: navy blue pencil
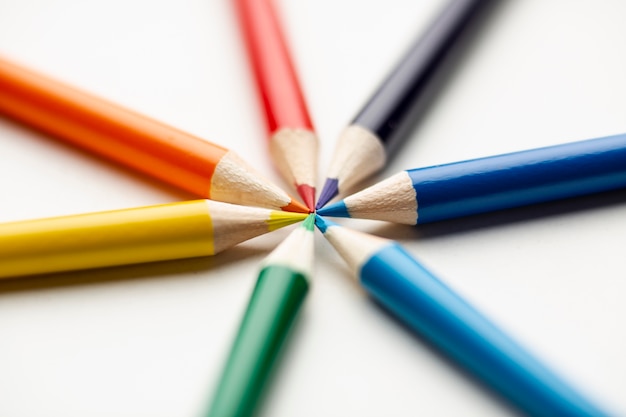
388,117
429,307
498,182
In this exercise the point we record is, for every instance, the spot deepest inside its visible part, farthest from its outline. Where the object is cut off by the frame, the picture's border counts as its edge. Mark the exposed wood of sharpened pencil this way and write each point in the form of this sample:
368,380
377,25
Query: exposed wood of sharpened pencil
441,192
418,298
280,290
200,167
293,142
136,235
386,119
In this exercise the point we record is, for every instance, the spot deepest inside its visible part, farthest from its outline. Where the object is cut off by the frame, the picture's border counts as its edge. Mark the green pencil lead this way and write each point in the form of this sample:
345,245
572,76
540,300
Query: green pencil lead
309,222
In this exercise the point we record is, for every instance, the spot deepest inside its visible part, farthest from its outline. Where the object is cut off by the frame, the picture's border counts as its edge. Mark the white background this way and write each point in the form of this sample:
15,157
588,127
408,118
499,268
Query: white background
150,340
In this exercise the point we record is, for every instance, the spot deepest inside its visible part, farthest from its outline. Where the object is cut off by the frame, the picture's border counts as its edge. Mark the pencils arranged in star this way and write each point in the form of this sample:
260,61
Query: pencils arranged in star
441,192
389,115
190,163
293,142
429,307
390,274
120,237
279,292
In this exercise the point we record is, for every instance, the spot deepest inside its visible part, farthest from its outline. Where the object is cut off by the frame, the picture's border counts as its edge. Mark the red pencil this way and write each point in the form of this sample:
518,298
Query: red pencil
293,143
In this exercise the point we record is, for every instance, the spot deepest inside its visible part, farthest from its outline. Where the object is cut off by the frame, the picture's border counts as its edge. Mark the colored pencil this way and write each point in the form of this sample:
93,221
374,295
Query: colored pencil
280,289
415,296
200,167
292,140
386,119
120,237
498,182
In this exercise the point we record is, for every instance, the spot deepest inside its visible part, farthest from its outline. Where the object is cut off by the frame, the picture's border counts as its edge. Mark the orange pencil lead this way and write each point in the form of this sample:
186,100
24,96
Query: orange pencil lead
296,207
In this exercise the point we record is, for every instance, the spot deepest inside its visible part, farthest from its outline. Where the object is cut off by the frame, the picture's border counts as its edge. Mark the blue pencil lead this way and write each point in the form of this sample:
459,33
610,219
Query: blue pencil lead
337,209
323,224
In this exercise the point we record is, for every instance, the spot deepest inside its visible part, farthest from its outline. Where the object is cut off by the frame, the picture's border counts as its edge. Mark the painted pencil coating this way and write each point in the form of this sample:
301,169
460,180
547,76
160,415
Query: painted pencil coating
293,143
401,97
392,111
121,237
283,100
192,164
428,306
276,299
279,292
493,183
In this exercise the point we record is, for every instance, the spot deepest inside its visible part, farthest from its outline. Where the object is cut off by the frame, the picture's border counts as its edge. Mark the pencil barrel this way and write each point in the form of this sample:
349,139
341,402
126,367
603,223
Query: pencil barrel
520,178
109,130
146,234
274,304
409,89
428,306
276,78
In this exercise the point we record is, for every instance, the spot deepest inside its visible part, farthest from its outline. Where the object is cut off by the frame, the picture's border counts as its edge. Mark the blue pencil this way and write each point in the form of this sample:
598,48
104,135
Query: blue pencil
498,182
429,307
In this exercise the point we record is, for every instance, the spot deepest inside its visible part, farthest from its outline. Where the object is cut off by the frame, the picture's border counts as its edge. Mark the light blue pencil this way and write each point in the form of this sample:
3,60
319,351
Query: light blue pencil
433,310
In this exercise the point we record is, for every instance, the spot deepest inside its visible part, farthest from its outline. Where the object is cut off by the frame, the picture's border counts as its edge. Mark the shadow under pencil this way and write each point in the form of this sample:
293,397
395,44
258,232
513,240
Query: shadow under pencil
503,217
151,270
129,174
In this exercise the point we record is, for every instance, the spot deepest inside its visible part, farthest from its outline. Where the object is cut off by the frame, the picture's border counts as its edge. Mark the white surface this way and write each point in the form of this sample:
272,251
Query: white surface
150,340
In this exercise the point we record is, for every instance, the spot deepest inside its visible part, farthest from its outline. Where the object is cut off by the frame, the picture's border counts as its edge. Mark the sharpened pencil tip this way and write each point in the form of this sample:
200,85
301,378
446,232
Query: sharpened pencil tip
323,224
296,207
309,222
330,190
280,219
308,196
337,209
320,223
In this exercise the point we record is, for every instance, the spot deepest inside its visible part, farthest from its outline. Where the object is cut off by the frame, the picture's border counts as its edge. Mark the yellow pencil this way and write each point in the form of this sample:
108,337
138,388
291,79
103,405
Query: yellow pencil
144,234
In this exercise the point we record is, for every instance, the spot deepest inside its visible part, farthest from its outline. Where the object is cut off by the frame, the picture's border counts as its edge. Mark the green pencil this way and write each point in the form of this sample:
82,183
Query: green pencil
282,285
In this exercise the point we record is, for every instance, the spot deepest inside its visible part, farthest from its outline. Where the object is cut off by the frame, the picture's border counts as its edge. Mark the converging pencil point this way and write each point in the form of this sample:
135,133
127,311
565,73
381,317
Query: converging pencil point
308,196
295,207
330,191
337,209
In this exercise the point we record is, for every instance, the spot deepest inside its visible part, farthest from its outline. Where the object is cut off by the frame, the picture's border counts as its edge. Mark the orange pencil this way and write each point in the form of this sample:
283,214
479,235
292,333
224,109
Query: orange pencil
168,154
